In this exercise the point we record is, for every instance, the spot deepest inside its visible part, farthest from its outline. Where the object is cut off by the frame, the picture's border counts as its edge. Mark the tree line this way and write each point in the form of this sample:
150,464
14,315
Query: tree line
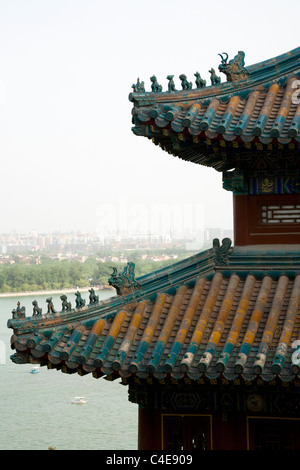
59,275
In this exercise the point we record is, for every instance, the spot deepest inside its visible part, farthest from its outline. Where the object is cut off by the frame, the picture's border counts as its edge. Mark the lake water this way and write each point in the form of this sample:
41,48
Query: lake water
36,410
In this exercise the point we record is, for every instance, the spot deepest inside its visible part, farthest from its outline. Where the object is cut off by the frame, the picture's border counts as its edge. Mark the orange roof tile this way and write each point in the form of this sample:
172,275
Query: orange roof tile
262,107
241,319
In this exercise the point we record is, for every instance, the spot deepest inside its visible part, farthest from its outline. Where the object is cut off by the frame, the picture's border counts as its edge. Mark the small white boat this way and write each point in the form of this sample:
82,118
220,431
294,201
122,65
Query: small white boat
35,370
79,401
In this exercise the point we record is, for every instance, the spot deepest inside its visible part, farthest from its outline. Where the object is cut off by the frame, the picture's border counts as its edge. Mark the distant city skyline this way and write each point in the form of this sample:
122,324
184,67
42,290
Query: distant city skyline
86,236
41,242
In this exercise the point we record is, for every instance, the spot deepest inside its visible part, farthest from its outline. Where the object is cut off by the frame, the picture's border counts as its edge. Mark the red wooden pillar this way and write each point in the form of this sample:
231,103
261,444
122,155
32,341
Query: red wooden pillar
149,429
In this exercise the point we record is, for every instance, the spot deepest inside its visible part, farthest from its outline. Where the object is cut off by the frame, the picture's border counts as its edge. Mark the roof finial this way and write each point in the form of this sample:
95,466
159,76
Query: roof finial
171,84
156,88
124,282
215,80
138,86
234,69
221,252
200,82
184,82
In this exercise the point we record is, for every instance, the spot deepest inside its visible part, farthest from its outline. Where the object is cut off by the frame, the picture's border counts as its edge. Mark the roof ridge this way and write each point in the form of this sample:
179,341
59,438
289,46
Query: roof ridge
260,73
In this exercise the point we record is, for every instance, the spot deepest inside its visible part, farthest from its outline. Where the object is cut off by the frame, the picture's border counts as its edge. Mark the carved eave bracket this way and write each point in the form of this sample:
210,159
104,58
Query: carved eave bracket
235,181
262,181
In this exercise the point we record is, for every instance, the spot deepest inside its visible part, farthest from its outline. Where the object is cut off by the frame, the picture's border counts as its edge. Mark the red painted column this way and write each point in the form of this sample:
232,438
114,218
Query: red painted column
240,220
149,431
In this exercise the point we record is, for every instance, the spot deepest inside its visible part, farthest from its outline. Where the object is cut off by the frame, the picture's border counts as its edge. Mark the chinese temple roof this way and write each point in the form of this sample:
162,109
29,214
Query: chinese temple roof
228,312
225,125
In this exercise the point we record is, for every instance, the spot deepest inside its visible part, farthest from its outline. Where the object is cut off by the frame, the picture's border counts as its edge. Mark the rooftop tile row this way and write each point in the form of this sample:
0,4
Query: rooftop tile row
264,114
215,125
221,324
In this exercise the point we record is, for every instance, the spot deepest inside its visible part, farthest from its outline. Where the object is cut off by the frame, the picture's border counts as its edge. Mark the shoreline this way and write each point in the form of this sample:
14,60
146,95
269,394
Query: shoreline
50,292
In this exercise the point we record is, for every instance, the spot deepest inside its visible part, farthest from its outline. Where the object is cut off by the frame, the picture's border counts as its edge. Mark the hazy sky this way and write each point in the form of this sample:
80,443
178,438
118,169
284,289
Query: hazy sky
69,160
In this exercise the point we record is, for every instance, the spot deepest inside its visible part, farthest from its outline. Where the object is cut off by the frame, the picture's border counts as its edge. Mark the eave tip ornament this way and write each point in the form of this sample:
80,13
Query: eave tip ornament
124,282
234,69
221,251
